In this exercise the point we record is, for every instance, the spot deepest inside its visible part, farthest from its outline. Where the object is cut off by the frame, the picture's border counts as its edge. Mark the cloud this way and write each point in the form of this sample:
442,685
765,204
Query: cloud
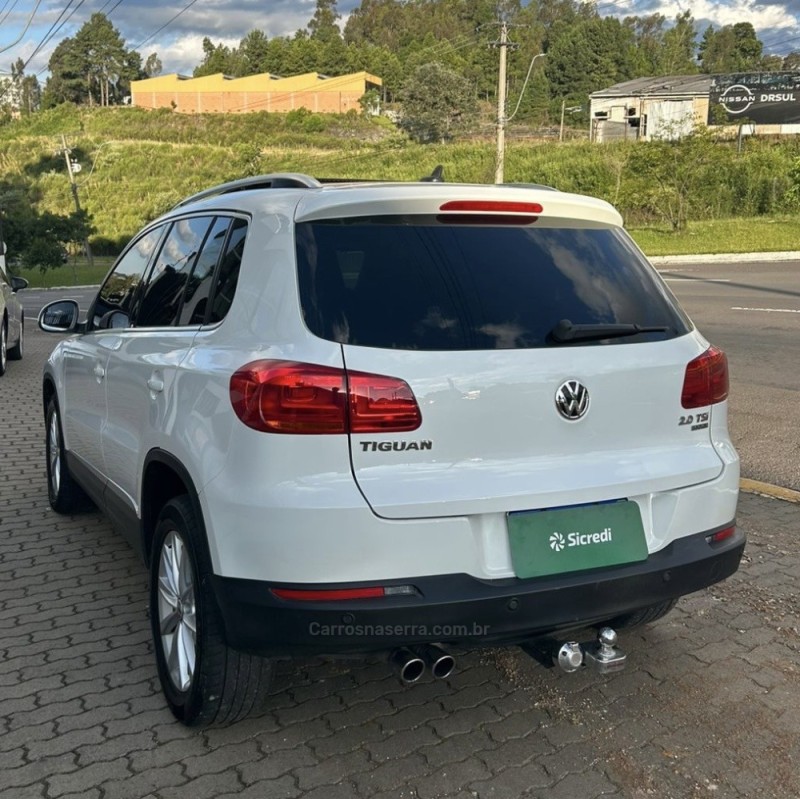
227,21
178,46
775,21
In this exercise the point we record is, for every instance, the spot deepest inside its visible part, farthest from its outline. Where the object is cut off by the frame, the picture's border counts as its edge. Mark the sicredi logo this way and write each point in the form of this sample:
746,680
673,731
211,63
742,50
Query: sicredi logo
559,542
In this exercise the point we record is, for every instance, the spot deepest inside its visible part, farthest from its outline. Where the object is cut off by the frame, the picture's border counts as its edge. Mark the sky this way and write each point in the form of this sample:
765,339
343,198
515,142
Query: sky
25,24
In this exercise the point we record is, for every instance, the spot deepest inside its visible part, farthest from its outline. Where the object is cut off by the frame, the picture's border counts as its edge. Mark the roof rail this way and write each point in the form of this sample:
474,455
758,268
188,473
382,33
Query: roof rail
279,180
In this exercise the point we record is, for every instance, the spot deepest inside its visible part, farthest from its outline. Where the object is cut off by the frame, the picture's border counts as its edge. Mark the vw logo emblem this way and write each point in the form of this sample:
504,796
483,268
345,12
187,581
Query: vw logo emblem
557,542
572,400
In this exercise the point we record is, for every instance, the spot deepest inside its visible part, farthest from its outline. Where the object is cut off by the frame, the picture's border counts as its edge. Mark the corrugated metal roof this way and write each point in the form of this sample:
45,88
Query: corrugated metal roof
664,85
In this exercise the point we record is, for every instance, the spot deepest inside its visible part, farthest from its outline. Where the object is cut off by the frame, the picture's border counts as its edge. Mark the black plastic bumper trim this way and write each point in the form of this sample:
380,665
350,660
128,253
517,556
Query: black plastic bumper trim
458,609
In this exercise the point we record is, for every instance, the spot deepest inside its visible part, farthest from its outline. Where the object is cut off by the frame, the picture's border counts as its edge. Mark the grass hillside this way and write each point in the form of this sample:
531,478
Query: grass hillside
136,164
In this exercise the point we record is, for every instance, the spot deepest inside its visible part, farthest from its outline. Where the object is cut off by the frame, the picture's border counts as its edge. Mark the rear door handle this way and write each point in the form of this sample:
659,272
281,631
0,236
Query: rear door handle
155,385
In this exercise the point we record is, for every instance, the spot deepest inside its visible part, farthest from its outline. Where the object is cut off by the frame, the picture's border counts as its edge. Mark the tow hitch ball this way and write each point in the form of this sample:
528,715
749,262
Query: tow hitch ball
602,654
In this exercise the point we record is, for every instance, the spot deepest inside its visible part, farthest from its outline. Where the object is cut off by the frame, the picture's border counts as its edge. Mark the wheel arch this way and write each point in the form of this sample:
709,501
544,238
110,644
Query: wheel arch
48,392
164,477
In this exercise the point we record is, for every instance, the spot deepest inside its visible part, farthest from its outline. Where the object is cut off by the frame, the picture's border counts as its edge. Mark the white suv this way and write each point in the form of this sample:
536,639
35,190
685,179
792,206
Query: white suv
361,417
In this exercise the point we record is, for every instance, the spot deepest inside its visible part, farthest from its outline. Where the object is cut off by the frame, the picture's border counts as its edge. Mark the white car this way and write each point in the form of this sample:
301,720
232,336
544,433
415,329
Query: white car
363,417
12,317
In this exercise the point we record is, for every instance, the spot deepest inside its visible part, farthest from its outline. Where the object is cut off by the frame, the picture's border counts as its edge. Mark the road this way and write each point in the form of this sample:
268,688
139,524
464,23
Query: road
750,310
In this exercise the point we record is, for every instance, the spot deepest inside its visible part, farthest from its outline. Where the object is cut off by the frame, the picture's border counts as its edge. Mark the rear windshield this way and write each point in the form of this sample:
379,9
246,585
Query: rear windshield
418,283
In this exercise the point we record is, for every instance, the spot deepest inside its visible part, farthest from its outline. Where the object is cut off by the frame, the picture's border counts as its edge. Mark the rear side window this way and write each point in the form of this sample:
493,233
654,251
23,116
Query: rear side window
228,273
417,283
162,293
198,289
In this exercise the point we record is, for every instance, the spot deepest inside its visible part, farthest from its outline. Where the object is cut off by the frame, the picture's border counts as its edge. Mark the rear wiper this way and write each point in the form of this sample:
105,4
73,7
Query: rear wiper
565,332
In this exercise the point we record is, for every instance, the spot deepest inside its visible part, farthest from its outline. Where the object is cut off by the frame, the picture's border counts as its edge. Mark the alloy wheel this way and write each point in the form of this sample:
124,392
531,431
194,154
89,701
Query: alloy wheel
177,615
54,453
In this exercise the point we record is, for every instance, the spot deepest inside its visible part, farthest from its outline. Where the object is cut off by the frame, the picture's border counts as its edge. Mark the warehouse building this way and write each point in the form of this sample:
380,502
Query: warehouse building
222,94
768,103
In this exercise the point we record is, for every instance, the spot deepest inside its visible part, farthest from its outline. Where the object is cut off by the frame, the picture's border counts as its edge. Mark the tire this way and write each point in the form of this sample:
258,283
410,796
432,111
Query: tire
204,681
643,616
3,347
15,353
65,495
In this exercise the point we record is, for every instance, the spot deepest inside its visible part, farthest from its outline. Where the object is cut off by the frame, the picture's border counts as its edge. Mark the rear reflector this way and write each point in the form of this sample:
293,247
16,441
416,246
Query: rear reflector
706,379
302,398
721,535
491,207
330,595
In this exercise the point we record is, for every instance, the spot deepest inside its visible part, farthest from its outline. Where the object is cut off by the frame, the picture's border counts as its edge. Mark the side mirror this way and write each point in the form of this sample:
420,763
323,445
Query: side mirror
113,320
60,316
18,283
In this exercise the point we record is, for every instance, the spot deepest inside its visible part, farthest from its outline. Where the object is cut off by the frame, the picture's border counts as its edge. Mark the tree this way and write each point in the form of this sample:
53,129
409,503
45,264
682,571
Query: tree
66,83
588,56
254,53
20,92
37,238
216,58
732,48
109,67
771,63
438,103
649,35
678,53
94,67
153,65
675,179
792,61
323,25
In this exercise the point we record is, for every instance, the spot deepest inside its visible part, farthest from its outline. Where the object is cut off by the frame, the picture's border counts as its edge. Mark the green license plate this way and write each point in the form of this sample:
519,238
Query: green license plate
573,539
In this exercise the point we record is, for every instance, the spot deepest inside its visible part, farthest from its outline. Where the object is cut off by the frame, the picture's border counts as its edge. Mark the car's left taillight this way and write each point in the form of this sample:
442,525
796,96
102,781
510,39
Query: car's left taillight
706,379
301,398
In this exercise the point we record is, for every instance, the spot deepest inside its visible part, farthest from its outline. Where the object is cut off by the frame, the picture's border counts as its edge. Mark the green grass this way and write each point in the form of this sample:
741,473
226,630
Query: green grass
78,273
754,234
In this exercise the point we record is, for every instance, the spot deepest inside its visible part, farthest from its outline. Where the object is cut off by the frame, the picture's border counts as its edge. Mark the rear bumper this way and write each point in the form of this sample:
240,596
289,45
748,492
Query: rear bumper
457,609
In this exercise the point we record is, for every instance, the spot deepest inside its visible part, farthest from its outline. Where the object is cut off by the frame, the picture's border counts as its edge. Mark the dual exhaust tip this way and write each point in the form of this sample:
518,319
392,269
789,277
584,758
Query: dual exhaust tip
409,664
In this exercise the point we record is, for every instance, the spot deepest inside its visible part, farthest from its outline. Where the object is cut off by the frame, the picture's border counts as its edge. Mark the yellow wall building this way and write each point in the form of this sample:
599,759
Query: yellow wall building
222,94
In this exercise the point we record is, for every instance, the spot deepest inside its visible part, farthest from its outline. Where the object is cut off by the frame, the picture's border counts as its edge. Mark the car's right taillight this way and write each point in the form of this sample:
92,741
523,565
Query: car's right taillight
706,379
303,398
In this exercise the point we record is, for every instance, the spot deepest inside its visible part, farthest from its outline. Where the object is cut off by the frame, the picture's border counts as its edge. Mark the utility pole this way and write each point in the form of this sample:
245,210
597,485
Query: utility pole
74,187
501,104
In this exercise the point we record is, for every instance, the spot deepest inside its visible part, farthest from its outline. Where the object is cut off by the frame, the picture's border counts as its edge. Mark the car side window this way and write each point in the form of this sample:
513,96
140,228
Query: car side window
113,306
168,277
198,287
228,273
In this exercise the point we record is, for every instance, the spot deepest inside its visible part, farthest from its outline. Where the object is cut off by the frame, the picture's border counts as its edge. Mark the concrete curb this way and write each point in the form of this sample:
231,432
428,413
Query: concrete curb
769,490
722,258
66,288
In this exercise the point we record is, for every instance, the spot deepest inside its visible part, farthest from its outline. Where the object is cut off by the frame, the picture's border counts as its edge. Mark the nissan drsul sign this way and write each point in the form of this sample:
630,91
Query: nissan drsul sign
769,98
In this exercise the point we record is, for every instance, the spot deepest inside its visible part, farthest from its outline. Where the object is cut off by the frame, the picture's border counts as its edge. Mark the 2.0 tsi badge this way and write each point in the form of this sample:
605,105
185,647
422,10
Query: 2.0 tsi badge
572,400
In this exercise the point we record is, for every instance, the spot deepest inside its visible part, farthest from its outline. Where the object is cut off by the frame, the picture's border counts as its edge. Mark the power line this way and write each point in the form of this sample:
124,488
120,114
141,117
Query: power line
54,29
25,29
45,39
166,24
9,10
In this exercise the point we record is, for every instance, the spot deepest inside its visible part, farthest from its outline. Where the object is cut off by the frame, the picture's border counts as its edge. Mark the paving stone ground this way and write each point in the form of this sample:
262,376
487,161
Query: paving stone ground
709,705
